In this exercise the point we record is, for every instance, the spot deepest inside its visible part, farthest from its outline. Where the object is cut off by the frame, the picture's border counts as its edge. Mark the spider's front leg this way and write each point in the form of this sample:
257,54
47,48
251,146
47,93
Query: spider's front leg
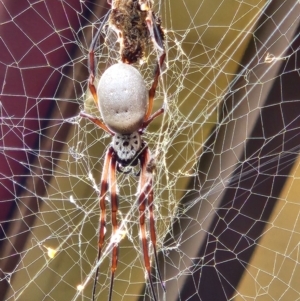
104,187
114,211
108,180
145,192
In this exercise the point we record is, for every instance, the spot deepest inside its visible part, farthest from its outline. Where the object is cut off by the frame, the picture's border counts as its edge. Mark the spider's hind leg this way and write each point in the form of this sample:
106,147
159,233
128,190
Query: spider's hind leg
92,62
155,30
157,37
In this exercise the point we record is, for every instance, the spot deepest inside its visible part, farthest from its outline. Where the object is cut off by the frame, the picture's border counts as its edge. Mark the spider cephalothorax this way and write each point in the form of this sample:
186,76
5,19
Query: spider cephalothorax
126,109
127,146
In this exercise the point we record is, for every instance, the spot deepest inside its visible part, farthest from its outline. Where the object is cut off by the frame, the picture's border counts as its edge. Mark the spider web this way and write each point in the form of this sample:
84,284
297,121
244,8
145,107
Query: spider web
226,150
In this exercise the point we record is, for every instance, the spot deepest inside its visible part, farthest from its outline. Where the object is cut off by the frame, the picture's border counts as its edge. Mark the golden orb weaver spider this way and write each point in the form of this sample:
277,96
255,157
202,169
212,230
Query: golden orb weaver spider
126,106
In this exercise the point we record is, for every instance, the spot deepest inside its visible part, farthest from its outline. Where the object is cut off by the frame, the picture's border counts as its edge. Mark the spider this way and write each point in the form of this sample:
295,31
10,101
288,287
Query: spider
126,109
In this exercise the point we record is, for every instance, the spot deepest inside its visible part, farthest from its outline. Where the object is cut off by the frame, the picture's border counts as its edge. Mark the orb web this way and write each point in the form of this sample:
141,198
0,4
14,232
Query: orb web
226,153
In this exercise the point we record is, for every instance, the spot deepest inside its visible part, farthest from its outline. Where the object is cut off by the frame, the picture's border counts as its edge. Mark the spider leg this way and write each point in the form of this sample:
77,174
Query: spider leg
152,229
102,221
148,119
157,39
153,116
155,34
97,122
146,194
92,61
114,211
92,71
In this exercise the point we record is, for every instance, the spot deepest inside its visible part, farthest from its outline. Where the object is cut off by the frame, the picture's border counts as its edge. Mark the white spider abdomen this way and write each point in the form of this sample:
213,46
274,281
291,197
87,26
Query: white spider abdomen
123,98
127,146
